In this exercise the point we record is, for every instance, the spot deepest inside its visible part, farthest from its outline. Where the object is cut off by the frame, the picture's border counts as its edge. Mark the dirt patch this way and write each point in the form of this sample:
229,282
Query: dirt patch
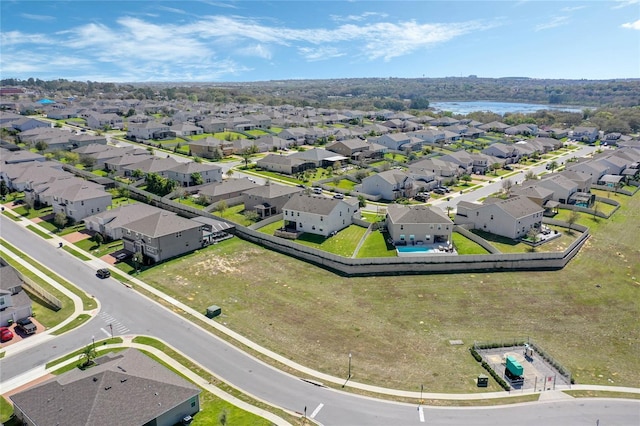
74,237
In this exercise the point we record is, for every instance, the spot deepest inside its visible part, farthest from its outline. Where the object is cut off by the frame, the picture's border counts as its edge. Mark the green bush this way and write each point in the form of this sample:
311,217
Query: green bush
475,354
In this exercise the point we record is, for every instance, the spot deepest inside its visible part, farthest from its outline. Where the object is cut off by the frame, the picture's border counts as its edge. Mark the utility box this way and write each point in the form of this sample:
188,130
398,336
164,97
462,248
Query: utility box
213,311
483,381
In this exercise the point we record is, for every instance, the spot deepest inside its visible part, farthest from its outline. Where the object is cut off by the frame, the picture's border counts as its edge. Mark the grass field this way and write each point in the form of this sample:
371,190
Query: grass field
398,328
343,243
376,246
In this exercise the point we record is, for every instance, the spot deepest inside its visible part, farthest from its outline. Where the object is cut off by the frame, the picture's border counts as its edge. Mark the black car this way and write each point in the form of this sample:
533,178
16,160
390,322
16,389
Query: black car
103,273
26,326
439,191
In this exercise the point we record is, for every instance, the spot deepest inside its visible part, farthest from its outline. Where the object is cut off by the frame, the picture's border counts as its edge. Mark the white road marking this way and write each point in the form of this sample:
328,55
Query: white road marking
106,332
421,414
316,411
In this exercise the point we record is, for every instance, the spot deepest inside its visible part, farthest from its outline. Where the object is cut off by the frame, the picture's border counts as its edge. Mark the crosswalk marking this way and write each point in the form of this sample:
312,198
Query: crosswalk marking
316,411
112,322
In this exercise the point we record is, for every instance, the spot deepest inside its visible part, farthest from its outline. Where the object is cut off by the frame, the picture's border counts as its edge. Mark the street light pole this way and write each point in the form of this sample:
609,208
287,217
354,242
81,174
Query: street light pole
93,342
349,376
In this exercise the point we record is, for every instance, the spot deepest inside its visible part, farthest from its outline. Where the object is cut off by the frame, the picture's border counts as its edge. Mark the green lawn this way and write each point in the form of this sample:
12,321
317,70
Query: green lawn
464,245
39,232
235,215
101,173
376,246
257,132
75,253
343,244
271,228
345,184
92,247
201,136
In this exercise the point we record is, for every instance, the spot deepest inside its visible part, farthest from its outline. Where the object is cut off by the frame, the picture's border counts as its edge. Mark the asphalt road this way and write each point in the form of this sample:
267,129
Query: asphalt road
132,313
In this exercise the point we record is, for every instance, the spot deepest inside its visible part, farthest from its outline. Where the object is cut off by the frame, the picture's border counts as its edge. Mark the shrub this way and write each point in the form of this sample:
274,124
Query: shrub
475,354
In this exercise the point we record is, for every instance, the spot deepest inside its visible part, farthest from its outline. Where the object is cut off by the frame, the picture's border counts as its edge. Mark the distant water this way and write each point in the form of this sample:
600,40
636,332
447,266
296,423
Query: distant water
497,107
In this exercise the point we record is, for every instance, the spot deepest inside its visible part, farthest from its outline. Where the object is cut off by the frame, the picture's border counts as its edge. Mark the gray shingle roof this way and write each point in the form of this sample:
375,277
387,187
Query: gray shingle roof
312,204
128,388
161,223
399,213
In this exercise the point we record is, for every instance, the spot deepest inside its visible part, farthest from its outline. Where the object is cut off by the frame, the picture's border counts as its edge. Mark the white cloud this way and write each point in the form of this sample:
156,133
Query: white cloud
556,21
624,3
572,8
358,18
632,25
171,10
257,50
313,54
44,18
204,48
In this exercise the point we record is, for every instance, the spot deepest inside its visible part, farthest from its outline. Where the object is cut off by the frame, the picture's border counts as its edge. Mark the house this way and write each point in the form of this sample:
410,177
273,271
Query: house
185,129
509,153
430,136
318,215
210,147
589,168
538,194
100,121
268,200
319,157
117,163
212,125
393,141
110,223
444,121
151,164
562,187
124,388
512,218
522,129
494,126
148,130
20,156
356,149
389,185
27,123
284,164
75,198
424,169
161,236
273,142
19,176
14,301
585,134
410,225
84,139
225,190
184,173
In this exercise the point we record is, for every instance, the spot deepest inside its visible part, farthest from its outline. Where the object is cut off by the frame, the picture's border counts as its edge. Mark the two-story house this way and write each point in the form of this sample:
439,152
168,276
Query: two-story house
319,215
410,225
389,185
512,218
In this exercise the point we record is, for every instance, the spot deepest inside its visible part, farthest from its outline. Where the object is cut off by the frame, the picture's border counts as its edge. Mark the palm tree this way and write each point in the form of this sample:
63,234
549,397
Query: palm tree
552,165
88,355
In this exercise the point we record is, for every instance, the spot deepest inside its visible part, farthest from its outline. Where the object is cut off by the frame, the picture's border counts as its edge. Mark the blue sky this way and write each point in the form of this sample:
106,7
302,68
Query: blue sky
216,40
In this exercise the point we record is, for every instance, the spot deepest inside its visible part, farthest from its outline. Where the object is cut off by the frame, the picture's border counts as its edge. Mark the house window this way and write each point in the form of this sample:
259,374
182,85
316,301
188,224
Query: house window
477,213
298,214
401,227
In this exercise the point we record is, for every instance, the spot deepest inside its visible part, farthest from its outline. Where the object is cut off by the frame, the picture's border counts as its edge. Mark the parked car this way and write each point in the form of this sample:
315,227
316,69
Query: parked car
338,196
422,197
5,334
26,326
439,191
103,273
317,190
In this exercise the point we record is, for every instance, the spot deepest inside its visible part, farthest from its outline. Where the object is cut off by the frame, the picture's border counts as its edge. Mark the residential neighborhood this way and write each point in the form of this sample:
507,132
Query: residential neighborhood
390,194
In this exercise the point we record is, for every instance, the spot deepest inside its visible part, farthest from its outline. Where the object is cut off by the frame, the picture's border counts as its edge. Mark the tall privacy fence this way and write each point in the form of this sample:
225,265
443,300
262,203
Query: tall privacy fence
388,265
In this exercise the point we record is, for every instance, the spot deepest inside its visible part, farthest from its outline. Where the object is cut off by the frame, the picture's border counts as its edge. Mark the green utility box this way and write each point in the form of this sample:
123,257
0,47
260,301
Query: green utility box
483,381
213,311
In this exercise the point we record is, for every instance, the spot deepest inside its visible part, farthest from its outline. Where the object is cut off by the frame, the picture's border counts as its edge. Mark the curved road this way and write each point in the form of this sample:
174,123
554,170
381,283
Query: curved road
131,313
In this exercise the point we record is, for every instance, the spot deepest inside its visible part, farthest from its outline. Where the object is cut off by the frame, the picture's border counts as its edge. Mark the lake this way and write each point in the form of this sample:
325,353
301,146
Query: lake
497,107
